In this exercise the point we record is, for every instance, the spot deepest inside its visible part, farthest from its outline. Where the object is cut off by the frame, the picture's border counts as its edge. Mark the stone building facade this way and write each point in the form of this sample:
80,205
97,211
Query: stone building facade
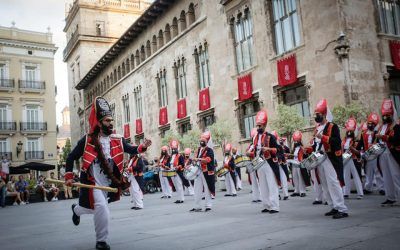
27,96
206,56
92,27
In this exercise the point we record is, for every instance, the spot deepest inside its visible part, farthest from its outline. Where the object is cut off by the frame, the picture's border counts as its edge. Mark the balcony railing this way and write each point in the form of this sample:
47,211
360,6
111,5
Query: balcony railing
70,44
7,83
8,126
34,155
7,155
33,126
28,84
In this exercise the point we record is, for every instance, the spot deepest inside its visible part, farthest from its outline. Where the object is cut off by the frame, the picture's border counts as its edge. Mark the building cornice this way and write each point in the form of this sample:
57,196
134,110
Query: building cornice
28,45
156,9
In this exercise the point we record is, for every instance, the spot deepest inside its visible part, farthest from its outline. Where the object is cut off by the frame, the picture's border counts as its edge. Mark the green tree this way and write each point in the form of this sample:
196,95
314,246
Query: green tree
221,132
191,139
287,121
65,151
170,135
341,113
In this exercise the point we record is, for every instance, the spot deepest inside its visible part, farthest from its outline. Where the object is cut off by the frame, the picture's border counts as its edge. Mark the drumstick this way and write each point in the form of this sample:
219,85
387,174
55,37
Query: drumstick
81,185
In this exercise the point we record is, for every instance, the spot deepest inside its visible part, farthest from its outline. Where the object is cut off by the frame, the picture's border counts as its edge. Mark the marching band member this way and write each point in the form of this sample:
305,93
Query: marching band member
229,177
371,166
265,146
187,161
255,186
163,163
205,181
283,171
135,168
330,172
301,178
237,170
176,163
389,135
102,154
349,170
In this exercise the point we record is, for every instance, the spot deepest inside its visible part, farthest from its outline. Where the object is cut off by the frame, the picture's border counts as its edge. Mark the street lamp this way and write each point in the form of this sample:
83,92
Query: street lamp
19,147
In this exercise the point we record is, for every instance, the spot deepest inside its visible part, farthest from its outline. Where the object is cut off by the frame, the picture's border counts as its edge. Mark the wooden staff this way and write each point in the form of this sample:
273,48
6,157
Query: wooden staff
81,185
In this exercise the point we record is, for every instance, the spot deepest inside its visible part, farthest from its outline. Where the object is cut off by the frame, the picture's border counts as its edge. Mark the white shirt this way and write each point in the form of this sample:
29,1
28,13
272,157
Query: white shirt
296,153
105,145
320,130
101,178
5,166
259,144
382,132
172,161
347,144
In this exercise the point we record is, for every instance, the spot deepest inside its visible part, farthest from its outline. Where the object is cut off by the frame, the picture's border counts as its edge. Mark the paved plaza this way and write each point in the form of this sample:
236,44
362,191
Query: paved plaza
233,223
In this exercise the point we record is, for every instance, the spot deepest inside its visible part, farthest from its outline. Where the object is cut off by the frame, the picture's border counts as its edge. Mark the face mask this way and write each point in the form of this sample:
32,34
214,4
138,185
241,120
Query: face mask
174,151
203,143
107,130
350,134
226,154
260,130
371,127
319,118
297,144
163,153
387,119
186,156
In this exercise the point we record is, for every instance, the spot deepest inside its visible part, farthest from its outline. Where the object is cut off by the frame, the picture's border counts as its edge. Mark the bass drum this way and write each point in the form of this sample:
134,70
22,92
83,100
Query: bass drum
191,172
346,157
314,160
221,171
242,161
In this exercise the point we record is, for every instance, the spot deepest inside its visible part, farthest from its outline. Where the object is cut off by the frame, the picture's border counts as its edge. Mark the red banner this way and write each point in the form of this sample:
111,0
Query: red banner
139,128
287,72
163,119
181,106
127,131
245,87
204,99
395,52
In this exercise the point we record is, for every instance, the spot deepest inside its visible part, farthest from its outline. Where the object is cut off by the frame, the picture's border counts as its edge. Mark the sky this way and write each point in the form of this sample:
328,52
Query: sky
38,15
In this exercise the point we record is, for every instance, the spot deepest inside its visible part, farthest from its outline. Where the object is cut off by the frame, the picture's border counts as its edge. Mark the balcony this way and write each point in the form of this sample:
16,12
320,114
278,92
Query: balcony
8,127
8,155
32,86
70,44
34,155
33,127
7,85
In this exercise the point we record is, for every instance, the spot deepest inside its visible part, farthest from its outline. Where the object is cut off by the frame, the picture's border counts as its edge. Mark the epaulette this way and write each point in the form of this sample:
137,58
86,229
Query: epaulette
116,136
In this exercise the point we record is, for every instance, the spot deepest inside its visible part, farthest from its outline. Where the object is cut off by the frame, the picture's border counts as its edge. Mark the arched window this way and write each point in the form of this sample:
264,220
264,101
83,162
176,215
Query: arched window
137,57
190,14
148,49
142,54
160,39
174,27
154,43
123,69
119,72
167,33
108,82
128,66
112,78
115,76
132,61
182,20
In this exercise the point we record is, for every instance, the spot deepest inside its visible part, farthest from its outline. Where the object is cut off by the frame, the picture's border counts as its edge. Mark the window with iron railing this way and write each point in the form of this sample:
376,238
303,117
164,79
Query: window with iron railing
180,78
202,66
389,16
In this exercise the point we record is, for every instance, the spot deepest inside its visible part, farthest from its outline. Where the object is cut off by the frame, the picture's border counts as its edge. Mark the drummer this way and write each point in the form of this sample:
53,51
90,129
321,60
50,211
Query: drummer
253,178
238,176
206,180
230,180
163,163
176,163
187,161
283,171
301,178
330,172
350,169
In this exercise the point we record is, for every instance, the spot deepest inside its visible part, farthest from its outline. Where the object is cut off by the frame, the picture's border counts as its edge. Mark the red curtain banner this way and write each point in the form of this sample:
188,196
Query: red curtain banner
287,71
127,131
163,119
139,128
395,53
204,99
181,106
245,88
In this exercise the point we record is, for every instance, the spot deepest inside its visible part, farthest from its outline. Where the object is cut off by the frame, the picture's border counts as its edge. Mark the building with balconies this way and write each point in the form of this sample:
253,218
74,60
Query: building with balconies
27,96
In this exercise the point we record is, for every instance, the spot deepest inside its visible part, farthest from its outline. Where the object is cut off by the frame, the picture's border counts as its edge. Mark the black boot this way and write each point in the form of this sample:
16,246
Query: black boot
75,218
102,245
332,212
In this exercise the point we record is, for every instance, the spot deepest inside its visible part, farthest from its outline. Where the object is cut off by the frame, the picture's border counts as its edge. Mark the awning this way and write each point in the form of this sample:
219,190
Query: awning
17,170
36,166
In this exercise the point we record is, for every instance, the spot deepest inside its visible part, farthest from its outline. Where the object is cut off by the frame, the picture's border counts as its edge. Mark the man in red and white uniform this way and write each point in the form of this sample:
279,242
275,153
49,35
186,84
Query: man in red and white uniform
330,172
176,163
255,186
238,176
389,161
348,145
135,169
103,160
229,164
164,164
300,177
282,166
266,147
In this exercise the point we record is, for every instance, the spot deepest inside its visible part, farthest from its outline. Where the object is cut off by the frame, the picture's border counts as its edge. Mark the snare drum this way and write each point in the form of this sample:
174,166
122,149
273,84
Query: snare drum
191,172
242,161
221,171
314,160
168,173
346,157
257,163
374,151
295,163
